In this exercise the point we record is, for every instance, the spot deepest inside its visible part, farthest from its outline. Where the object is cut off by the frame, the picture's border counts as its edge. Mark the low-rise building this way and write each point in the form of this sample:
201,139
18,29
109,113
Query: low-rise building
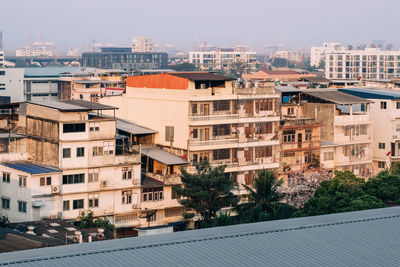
286,75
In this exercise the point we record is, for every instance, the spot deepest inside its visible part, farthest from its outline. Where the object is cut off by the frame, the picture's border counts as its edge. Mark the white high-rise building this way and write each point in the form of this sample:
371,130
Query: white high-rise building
318,52
36,49
367,64
142,44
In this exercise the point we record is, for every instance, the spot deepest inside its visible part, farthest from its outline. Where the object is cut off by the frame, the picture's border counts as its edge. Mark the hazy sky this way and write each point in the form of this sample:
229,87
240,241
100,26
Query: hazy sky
185,23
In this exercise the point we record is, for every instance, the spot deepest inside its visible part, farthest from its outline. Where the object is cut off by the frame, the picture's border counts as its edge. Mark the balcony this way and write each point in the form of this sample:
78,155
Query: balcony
213,119
351,119
254,91
301,146
127,158
213,144
168,179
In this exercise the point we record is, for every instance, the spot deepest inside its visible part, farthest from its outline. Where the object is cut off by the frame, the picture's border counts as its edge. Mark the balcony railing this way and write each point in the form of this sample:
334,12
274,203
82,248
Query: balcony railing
213,142
351,119
213,117
254,91
168,179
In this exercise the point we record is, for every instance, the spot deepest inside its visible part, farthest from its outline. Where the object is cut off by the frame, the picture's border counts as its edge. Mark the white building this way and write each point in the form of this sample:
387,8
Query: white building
367,64
292,55
142,44
385,115
1,58
318,53
36,49
222,58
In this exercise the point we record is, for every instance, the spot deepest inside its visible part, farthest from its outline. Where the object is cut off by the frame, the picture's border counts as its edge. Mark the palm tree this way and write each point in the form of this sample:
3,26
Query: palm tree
264,194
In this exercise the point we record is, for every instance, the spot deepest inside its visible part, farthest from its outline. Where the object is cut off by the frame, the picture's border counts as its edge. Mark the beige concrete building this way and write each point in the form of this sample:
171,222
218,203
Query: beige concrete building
201,116
74,162
346,127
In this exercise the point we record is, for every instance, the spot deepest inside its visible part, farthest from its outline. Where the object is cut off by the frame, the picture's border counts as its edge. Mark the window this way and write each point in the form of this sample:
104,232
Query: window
66,153
328,156
264,128
152,194
108,148
308,135
219,154
263,152
93,200
22,181
195,133
6,177
74,178
289,136
383,104
221,105
264,105
93,175
308,157
381,145
381,164
21,206
363,129
174,194
94,126
290,111
127,197
5,203
77,204
194,108
397,105
80,151
169,133
127,173
221,130
97,151
74,128
66,205
45,181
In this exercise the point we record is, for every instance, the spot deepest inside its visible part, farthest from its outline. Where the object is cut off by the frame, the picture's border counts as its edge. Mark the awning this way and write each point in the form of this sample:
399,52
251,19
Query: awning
38,204
162,156
133,128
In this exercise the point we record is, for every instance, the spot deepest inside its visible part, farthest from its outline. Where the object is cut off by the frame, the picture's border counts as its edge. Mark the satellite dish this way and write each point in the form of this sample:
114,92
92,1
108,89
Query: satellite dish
147,214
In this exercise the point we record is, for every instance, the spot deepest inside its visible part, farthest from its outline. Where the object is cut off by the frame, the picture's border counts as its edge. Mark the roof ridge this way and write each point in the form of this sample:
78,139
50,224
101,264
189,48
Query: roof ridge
192,240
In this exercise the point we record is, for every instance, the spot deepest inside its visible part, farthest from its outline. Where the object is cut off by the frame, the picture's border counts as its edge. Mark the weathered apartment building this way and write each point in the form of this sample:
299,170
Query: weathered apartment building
202,116
66,157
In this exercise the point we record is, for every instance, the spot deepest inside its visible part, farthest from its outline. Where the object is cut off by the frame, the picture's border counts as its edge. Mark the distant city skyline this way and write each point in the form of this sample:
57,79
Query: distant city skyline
293,24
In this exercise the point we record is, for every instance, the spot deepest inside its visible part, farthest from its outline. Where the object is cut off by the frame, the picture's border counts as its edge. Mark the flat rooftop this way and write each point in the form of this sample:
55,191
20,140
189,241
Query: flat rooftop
31,168
73,105
335,96
362,238
372,93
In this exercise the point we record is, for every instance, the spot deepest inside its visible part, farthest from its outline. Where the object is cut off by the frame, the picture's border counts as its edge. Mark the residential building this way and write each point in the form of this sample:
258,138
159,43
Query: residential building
385,115
201,116
362,238
36,49
78,160
1,50
223,58
123,58
300,136
142,44
317,57
367,64
293,56
346,124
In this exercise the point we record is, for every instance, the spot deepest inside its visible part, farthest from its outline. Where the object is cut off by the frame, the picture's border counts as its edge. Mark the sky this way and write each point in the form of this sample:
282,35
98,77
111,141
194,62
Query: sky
188,23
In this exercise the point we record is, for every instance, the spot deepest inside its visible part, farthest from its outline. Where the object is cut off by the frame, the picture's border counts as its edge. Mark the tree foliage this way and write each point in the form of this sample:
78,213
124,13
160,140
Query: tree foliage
88,221
205,192
183,67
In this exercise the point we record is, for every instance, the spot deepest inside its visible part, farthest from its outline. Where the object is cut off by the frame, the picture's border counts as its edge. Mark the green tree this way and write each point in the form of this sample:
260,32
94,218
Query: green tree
385,186
88,221
264,200
345,192
205,192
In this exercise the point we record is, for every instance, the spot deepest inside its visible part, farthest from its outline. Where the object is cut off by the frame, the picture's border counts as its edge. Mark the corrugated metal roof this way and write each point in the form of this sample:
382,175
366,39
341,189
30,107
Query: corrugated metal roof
364,238
316,79
336,97
162,156
133,128
200,76
73,105
10,135
288,89
50,71
372,93
30,167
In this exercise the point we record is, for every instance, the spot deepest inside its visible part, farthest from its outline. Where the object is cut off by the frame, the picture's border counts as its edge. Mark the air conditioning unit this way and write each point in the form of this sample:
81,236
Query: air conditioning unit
104,183
55,189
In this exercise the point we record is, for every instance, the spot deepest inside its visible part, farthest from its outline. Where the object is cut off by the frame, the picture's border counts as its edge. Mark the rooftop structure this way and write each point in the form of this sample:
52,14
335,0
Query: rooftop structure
359,238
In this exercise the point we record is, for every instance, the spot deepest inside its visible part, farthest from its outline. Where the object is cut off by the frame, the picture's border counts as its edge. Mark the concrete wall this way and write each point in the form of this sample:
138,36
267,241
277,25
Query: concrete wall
325,115
14,84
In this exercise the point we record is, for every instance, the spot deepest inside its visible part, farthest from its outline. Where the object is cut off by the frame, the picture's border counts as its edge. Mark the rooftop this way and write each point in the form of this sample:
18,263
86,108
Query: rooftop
30,167
336,97
73,105
362,238
162,156
133,128
315,80
372,93
50,71
200,76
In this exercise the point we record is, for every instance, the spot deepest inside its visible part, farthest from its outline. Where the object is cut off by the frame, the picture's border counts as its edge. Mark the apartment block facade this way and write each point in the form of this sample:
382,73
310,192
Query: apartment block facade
385,115
367,64
222,58
318,53
346,126
201,116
